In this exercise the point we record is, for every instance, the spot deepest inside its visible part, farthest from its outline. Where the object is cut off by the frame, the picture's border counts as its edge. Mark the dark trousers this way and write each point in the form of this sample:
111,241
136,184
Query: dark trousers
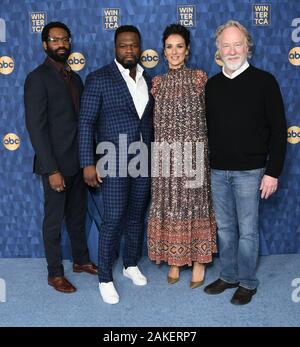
124,199
71,205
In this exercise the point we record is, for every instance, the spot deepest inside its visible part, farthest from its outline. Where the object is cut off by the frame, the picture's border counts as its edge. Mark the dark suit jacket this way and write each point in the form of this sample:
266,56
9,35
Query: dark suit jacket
51,120
107,110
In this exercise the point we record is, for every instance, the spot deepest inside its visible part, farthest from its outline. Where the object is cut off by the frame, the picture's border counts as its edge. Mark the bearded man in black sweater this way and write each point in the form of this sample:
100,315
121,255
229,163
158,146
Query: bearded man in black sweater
247,141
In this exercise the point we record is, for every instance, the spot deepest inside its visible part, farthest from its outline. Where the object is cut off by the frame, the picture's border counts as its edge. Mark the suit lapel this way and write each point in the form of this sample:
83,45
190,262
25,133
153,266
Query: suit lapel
77,90
122,86
59,79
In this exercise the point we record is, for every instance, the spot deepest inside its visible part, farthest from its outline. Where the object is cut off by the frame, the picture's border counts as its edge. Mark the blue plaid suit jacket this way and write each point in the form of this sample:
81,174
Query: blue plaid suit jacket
107,110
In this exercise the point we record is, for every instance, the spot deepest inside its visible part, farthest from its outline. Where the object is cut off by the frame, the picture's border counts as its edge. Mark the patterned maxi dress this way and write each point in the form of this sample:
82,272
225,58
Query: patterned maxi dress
181,227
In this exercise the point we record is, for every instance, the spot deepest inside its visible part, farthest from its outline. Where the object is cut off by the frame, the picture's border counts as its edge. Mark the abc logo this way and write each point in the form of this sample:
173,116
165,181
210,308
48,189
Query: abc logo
149,58
76,61
218,59
294,56
11,141
7,65
293,135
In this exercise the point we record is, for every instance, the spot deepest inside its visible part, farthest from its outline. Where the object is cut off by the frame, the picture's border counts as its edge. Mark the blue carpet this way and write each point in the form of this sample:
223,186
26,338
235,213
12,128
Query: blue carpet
30,302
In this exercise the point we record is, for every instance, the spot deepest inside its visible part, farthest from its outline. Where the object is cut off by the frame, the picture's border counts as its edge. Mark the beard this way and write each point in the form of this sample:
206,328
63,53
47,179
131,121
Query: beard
60,57
128,63
233,66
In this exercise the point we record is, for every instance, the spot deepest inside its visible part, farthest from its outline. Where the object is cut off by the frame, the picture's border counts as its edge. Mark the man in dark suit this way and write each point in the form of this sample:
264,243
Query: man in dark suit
117,110
51,95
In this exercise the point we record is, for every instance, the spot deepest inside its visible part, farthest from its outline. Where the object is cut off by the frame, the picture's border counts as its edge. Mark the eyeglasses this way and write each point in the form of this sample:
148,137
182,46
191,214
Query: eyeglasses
65,40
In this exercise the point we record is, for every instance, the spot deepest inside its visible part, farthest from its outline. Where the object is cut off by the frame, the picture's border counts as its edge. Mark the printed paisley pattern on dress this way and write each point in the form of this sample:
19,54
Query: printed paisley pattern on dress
181,227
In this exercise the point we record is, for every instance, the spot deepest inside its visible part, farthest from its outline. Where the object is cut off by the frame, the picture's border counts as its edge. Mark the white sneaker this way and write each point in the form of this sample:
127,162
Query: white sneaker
109,293
135,275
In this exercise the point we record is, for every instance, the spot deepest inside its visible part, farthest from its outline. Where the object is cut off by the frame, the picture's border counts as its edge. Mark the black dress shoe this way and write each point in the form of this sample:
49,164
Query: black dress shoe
218,287
242,296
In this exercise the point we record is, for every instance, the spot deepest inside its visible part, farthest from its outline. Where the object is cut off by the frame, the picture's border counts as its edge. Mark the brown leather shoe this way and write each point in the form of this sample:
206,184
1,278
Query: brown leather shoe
89,268
61,284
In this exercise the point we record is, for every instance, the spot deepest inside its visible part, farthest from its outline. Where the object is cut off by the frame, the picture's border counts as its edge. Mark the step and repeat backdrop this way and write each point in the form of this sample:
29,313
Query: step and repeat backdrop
275,27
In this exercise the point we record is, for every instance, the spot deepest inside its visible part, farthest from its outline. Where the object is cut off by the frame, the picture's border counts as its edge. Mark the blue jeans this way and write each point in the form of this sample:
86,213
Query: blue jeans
236,198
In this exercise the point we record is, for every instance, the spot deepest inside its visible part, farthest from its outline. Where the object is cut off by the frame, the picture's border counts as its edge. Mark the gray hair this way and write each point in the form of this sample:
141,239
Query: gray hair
238,25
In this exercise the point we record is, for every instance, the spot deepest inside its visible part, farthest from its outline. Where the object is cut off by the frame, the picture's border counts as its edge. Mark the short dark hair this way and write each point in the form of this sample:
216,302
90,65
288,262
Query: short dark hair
45,32
127,29
176,29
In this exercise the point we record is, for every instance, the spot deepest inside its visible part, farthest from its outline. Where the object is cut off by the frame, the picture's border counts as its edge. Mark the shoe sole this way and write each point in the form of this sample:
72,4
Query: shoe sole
238,303
81,271
111,303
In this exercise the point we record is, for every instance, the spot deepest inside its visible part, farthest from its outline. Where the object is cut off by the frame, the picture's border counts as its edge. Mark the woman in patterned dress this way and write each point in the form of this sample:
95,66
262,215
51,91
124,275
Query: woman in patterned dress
181,228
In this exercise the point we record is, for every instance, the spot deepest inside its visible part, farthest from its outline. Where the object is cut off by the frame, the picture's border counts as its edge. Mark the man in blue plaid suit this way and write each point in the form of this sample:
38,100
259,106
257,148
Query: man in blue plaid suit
117,101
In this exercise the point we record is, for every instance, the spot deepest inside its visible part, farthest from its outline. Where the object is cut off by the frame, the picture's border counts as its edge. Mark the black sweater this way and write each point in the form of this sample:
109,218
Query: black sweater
246,122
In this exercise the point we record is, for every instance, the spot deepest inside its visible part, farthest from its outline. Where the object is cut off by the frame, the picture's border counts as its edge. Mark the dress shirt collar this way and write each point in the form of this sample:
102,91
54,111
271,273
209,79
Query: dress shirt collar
60,66
125,72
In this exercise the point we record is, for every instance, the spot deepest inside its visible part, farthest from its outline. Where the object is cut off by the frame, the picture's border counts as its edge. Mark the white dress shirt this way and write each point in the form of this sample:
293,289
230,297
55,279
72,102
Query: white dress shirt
138,88
236,72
